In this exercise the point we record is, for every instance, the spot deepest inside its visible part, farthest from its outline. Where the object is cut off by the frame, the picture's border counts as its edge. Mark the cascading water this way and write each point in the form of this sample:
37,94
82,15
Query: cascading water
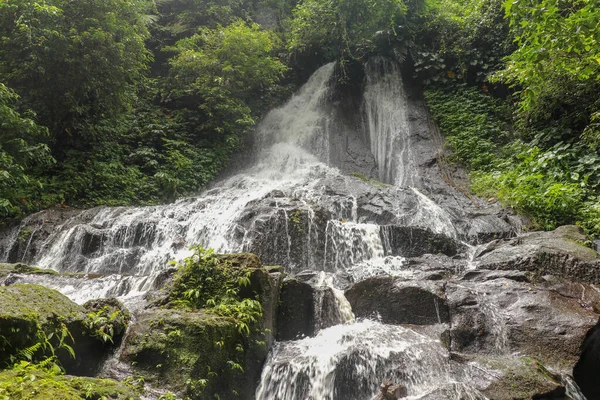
291,208
387,121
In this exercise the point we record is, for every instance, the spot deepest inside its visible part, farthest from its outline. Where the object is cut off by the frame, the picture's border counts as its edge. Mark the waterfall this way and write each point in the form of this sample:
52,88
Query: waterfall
290,207
387,120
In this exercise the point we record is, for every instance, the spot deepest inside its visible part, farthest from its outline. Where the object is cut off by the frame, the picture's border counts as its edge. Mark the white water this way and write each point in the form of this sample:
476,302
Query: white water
387,120
350,361
133,245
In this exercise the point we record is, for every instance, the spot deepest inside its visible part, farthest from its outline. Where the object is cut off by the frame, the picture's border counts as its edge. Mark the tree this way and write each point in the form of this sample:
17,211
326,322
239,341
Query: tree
223,70
556,67
344,28
73,62
21,151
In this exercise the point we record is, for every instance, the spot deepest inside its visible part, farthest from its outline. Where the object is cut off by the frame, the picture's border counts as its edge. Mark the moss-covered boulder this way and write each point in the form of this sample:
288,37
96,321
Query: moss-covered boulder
30,383
36,321
206,337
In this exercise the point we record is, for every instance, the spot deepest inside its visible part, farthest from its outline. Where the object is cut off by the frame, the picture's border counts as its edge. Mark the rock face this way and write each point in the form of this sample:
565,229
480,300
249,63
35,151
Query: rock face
399,302
560,252
305,309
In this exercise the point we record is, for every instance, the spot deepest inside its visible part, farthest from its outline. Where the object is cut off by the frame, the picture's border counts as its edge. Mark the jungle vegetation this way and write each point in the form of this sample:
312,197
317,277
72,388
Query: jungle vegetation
122,102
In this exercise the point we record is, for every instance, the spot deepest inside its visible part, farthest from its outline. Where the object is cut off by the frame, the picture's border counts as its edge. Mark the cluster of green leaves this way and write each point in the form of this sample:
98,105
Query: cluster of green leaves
343,29
22,153
475,123
547,164
205,281
460,40
145,103
556,66
31,381
73,62
220,71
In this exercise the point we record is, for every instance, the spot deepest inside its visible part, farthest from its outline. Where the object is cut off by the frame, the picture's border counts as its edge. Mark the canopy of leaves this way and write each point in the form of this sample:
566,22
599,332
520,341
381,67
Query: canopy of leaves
557,63
22,153
220,70
73,62
344,28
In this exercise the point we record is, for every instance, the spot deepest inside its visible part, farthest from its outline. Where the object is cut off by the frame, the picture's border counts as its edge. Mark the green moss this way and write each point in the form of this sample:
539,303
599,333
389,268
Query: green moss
35,384
187,351
24,234
521,378
372,181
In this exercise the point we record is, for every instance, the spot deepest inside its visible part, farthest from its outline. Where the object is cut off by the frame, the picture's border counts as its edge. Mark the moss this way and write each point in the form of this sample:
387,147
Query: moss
24,234
273,268
368,180
186,351
31,312
33,384
521,379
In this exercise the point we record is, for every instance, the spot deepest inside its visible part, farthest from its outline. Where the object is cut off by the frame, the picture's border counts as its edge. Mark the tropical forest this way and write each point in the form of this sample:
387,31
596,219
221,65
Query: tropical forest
300,199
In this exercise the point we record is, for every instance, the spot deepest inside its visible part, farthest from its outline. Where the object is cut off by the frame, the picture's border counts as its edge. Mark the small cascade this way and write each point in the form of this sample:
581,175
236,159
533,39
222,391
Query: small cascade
432,216
386,115
349,361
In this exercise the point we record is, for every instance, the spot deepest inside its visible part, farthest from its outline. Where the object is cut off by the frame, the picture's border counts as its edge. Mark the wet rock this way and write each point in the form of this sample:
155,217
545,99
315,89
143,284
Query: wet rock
399,302
504,316
585,371
202,354
482,275
521,378
296,317
560,252
391,391
410,241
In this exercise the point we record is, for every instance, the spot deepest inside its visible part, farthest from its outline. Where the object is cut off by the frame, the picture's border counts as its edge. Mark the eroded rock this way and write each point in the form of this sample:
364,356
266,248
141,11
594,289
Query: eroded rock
399,302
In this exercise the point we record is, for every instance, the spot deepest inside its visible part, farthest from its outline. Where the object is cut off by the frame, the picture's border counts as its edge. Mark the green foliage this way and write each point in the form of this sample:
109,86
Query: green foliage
220,71
101,323
474,122
557,63
460,40
29,381
205,281
22,152
343,29
73,62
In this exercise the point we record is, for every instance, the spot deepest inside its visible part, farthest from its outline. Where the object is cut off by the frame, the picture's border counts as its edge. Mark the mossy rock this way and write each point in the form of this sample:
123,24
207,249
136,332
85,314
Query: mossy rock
39,385
31,314
187,351
241,260
520,379
195,352
20,268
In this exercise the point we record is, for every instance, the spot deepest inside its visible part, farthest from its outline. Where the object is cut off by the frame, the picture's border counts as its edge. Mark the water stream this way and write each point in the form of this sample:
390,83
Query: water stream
291,207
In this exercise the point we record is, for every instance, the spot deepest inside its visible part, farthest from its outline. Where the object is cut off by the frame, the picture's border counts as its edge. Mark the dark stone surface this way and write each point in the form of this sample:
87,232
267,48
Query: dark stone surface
398,302
587,370
296,315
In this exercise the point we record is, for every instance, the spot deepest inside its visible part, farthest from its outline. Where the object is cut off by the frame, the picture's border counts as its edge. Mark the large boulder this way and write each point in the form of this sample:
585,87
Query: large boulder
562,252
504,315
35,320
196,351
399,302
304,309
